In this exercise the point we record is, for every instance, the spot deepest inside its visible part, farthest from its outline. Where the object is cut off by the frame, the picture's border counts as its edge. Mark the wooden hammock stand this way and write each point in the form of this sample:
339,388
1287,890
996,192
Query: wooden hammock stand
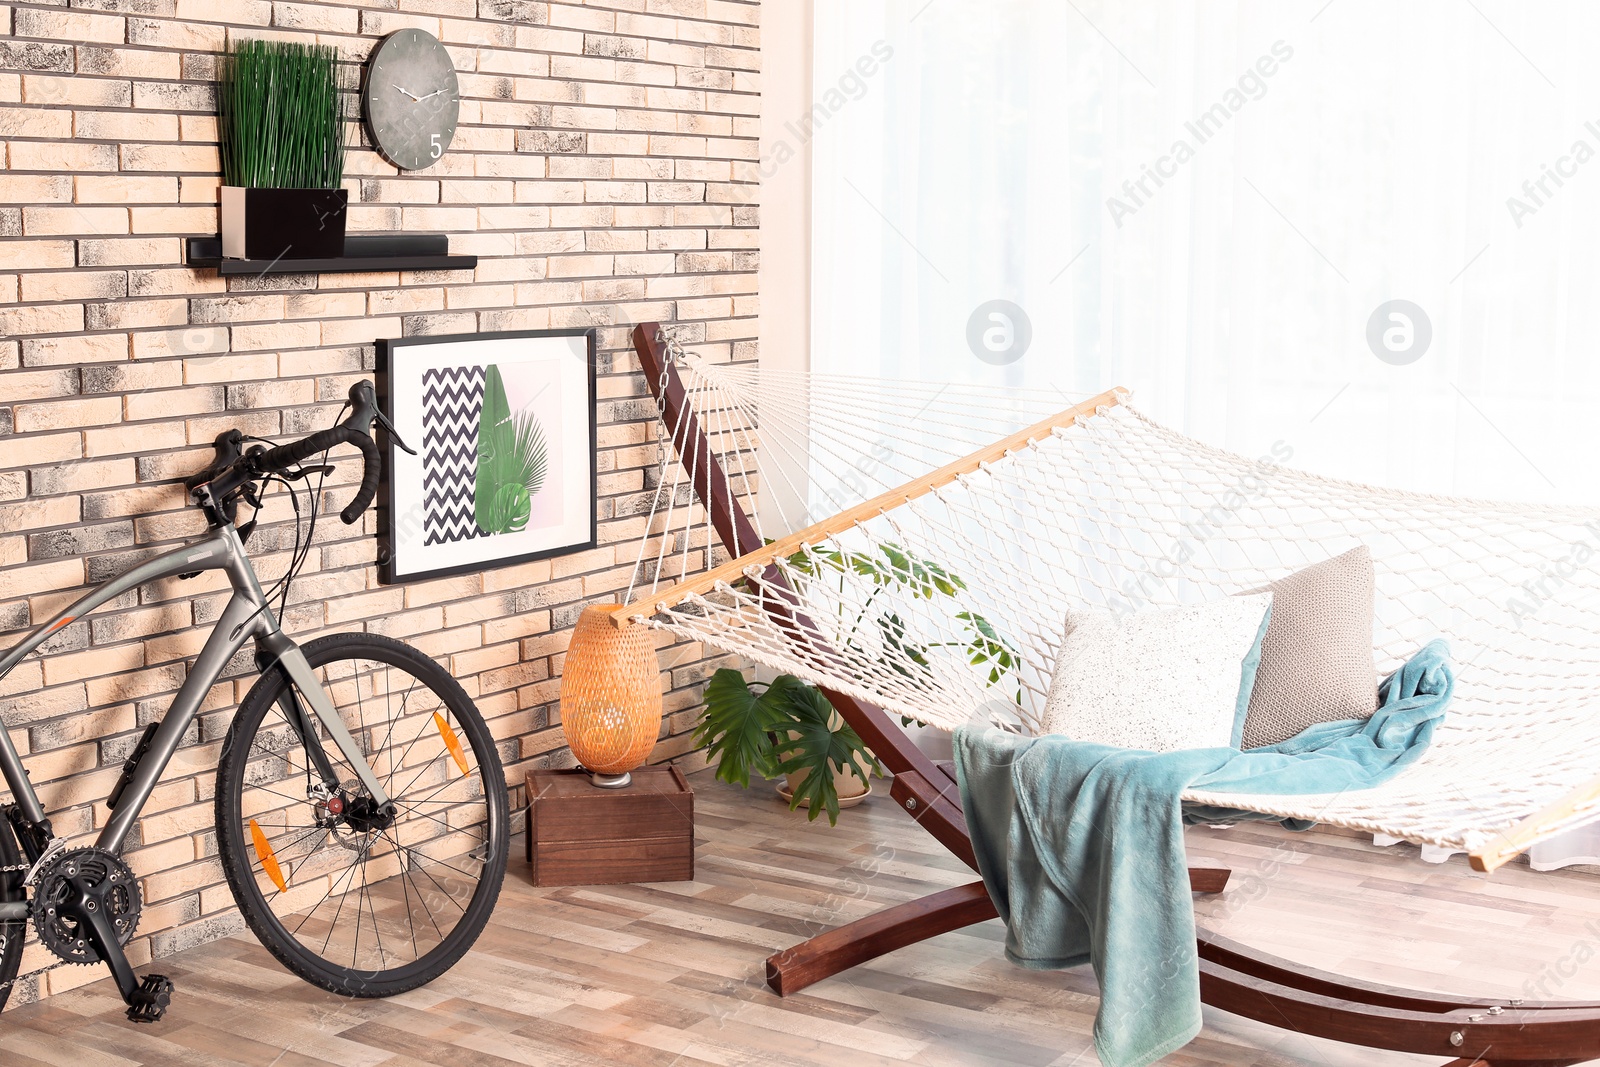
1233,977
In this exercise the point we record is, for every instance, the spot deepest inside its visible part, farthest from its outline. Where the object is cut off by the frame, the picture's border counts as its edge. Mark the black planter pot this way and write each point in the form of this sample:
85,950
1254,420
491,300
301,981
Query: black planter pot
273,224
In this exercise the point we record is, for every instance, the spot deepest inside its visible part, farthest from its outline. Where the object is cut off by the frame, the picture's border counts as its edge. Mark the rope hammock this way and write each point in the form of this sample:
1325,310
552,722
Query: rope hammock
941,532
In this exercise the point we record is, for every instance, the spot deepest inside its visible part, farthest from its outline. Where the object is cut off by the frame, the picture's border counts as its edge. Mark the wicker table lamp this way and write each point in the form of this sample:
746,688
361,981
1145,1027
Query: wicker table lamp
610,697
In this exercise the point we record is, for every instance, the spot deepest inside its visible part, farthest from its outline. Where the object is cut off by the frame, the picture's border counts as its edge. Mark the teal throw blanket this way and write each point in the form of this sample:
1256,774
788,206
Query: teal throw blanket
1081,845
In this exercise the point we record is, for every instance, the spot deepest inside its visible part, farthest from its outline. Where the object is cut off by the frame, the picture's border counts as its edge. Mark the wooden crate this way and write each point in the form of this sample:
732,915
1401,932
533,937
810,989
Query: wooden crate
581,835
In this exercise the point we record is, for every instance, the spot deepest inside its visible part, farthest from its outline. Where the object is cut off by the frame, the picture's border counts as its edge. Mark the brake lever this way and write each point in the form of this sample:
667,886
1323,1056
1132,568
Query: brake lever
304,472
388,427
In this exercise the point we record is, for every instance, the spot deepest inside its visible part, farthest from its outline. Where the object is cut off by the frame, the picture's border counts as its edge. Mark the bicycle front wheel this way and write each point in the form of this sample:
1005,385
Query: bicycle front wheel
357,898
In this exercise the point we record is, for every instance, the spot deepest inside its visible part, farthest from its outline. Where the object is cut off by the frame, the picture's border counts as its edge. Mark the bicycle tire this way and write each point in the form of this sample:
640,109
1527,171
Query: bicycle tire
15,931
240,769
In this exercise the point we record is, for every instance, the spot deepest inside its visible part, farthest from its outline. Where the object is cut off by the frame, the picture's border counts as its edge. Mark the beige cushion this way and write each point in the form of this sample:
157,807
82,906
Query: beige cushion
1316,660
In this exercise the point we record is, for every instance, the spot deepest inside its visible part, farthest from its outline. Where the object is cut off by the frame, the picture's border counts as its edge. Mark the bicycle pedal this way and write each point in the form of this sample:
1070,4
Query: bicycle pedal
149,1002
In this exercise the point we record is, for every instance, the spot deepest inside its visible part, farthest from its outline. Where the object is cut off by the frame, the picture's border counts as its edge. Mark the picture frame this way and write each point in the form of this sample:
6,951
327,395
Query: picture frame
460,505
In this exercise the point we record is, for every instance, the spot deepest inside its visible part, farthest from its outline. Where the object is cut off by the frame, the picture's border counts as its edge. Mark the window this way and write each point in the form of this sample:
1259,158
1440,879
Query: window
1364,231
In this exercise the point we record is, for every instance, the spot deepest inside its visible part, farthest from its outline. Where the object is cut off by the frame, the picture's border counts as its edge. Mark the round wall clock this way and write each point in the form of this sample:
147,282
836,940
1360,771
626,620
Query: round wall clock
412,99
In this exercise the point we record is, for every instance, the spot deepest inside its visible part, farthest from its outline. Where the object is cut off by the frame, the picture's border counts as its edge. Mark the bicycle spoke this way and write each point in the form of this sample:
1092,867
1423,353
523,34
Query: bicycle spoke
366,894
274,792
388,699
361,707
420,772
356,941
432,819
394,720
422,731
437,790
437,863
405,881
406,866
290,877
435,881
337,911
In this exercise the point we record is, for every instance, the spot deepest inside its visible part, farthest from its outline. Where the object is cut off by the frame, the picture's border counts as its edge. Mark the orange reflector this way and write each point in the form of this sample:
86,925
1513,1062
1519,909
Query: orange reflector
65,619
268,858
451,741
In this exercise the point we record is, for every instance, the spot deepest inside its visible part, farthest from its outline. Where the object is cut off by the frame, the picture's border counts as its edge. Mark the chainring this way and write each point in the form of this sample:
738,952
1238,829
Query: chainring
61,932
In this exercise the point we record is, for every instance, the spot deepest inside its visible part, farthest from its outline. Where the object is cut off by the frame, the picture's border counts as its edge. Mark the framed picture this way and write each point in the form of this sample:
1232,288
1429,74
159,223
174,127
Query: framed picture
504,428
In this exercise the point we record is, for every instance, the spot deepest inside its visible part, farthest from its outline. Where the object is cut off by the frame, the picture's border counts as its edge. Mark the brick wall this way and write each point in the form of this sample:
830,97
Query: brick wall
603,169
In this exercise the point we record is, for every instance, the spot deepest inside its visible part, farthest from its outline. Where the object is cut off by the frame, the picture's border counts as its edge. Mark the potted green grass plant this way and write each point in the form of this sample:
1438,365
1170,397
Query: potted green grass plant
281,119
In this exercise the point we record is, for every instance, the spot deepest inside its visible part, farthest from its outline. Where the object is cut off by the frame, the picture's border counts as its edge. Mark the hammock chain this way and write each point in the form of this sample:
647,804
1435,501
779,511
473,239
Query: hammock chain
674,352
674,357
663,432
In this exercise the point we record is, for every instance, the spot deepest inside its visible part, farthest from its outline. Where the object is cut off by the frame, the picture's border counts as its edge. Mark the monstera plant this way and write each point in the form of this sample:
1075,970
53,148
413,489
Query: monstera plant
788,727
512,461
785,727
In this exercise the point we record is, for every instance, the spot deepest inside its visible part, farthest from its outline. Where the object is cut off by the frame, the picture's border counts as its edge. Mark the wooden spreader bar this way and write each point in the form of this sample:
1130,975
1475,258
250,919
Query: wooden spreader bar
705,469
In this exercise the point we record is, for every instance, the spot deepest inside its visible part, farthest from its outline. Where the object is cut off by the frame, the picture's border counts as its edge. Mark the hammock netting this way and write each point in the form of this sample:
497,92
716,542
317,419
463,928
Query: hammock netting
947,605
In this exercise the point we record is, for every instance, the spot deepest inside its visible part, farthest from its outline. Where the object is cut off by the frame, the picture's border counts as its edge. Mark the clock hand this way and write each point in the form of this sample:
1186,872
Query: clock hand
409,93
430,96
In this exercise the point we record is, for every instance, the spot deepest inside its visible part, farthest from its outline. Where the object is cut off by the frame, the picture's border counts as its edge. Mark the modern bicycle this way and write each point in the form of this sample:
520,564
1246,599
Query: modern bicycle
361,807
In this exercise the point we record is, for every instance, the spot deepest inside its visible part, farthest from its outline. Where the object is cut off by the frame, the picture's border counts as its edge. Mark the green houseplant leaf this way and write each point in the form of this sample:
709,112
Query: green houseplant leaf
529,448
510,508
818,744
892,628
738,724
791,728
987,646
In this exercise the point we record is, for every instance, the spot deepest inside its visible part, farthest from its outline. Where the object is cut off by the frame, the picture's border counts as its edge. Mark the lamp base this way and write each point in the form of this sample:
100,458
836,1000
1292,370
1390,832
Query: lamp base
610,781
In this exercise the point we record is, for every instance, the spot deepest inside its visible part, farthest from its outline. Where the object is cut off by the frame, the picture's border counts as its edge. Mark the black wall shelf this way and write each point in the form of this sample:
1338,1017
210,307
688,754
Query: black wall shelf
362,253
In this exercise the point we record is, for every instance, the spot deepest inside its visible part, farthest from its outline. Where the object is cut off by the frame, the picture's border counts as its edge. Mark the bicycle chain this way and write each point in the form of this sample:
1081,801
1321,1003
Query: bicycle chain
8,869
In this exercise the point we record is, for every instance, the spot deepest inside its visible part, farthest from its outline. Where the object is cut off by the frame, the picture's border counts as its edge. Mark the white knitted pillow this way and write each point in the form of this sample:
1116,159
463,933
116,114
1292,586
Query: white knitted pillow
1157,680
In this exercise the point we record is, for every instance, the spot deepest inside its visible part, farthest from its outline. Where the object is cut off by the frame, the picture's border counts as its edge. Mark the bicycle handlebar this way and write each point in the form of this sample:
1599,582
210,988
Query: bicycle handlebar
285,456
356,430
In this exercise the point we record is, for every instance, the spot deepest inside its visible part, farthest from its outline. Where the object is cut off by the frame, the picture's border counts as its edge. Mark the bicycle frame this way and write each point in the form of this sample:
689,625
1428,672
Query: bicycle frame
247,616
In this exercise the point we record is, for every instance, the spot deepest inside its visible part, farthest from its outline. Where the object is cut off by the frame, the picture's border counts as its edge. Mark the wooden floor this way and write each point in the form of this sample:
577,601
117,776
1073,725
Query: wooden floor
671,974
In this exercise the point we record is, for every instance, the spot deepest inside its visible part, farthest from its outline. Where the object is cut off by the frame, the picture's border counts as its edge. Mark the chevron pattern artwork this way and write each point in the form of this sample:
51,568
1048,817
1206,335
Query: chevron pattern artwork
452,404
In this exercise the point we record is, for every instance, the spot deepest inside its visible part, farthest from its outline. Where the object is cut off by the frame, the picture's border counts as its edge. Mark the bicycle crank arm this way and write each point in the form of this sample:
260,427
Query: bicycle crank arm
147,1001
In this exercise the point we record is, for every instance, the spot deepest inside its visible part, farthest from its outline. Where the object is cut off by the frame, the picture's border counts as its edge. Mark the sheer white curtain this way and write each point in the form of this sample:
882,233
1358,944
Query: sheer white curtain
1212,204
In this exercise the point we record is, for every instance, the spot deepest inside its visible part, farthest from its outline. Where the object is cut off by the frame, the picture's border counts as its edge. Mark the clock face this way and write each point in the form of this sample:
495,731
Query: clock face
412,99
